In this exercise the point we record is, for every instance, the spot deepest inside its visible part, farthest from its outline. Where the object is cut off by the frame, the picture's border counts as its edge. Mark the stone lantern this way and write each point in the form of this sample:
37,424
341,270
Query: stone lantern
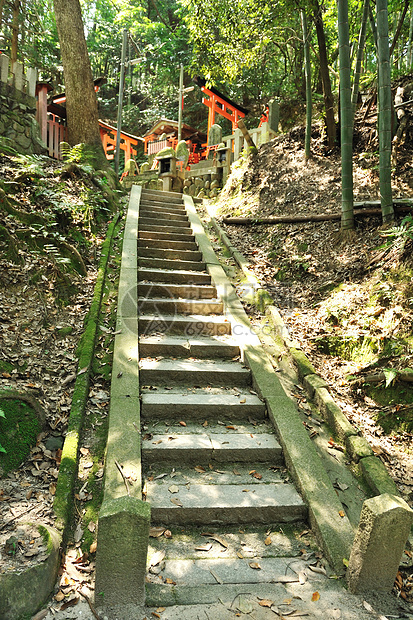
223,160
167,167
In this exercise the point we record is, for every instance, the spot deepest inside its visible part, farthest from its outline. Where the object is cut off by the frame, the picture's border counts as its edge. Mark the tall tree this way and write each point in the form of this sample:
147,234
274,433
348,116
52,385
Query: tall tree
325,75
346,119
308,94
359,56
385,113
81,103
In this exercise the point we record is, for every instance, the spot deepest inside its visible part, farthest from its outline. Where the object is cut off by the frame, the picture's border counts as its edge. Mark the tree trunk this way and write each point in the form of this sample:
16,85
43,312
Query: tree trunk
81,103
15,31
359,57
346,119
385,115
325,76
399,26
308,94
409,45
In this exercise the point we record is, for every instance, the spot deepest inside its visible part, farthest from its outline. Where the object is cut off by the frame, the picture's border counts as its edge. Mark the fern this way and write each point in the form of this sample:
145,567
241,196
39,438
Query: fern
82,155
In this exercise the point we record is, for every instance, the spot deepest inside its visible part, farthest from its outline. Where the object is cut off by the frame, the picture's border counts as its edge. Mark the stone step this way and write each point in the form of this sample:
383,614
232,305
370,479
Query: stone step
170,276
154,234
165,229
204,504
165,289
160,196
161,207
205,447
161,223
163,263
196,372
187,255
174,346
169,216
200,404
195,558
205,307
193,325
169,244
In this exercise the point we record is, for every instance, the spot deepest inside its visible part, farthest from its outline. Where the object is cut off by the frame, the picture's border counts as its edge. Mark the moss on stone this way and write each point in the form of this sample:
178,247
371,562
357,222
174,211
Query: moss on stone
19,429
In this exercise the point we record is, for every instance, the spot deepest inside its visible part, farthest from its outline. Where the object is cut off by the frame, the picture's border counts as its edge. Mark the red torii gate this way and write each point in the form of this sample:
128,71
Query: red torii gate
220,104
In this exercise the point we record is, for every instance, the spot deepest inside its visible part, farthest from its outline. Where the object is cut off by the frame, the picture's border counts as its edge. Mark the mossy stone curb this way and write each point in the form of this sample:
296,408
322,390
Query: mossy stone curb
22,594
63,501
255,294
377,477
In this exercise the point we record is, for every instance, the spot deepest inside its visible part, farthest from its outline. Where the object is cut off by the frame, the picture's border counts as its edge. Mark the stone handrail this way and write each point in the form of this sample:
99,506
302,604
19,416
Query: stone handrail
260,135
14,75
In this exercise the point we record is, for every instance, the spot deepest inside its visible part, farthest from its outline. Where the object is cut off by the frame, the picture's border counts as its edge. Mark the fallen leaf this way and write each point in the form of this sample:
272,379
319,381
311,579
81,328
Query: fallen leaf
91,526
265,602
157,558
199,469
267,541
236,472
204,547
71,603
155,532
160,610
244,605
167,534
216,577
182,423
78,533
93,547
367,606
239,554
205,424
315,597
219,540
177,502
170,581
243,400
173,489
318,569
255,565
59,596
302,577
342,513
257,476
230,427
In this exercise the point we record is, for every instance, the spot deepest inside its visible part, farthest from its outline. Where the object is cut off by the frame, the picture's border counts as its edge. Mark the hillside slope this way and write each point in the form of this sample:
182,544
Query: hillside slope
348,303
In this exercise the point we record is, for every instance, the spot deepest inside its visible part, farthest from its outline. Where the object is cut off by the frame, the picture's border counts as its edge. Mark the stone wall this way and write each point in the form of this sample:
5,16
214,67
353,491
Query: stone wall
18,107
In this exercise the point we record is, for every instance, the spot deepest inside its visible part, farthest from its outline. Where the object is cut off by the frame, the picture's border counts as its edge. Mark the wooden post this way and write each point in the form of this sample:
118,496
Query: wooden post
246,134
41,115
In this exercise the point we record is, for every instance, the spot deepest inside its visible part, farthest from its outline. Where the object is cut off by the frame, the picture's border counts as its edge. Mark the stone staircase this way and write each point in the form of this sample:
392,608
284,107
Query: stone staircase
213,470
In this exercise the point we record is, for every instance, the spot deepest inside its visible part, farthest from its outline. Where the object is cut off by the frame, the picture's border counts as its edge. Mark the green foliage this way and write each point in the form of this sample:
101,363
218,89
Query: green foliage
83,155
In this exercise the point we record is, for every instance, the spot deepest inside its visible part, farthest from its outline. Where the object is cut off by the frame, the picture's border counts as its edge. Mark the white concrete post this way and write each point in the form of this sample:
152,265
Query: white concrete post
378,546
4,68
31,81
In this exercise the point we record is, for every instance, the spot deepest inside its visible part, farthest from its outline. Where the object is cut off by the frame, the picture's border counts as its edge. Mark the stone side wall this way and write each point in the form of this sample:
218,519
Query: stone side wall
18,107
